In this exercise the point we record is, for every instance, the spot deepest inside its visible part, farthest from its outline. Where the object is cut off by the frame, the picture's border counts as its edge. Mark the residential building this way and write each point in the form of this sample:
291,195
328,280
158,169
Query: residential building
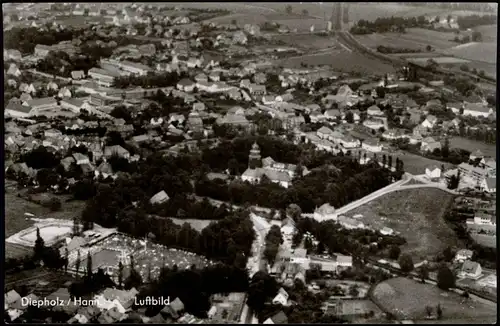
17,110
255,173
257,90
429,145
186,85
42,50
103,77
472,174
374,111
485,219
279,318
81,159
109,151
72,104
371,145
281,298
463,255
325,212
476,155
350,223
433,172
470,269
135,68
41,104
288,227
374,124
477,110
159,198
64,93
429,122
489,185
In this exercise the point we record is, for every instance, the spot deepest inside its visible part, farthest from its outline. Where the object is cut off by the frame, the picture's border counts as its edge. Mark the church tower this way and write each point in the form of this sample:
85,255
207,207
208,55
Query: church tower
254,159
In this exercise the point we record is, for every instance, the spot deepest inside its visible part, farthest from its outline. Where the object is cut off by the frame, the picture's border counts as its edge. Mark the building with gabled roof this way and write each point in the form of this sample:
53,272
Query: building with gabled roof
159,198
470,269
279,318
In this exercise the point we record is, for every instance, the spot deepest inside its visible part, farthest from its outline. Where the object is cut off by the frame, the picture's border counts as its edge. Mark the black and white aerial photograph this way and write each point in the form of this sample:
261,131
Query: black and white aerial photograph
250,162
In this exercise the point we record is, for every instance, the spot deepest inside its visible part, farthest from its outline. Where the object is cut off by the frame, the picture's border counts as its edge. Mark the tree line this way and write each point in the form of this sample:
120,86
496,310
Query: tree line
358,243
195,286
26,39
337,187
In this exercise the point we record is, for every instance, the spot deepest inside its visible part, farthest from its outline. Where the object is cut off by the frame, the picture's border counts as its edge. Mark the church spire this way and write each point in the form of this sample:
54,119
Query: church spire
254,159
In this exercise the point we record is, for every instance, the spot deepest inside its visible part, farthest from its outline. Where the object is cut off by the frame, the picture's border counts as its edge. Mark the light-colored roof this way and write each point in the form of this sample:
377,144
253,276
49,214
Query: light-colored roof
177,305
491,183
470,266
325,130
325,209
302,253
41,101
109,150
12,296
159,197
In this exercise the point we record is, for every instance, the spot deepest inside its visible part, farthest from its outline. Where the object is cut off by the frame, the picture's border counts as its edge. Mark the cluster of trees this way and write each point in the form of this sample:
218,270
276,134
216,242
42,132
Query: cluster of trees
182,207
40,158
336,239
487,135
463,85
48,255
391,50
150,80
26,39
195,286
228,240
273,240
308,306
472,21
388,24
337,187
474,37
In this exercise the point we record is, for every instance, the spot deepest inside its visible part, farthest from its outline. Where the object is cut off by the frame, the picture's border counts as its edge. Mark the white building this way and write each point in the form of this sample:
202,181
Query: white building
470,269
325,212
371,146
281,298
463,255
489,185
433,172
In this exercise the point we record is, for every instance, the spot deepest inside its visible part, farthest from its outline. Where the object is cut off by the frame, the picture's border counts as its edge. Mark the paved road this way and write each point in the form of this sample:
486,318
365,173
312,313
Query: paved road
397,186
254,264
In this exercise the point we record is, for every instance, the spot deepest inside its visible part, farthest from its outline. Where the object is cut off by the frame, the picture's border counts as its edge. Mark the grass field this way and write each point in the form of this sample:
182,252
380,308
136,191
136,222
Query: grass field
483,52
340,60
407,299
309,41
489,32
416,164
417,215
414,38
472,145
198,225
485,240
15,209
16,221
